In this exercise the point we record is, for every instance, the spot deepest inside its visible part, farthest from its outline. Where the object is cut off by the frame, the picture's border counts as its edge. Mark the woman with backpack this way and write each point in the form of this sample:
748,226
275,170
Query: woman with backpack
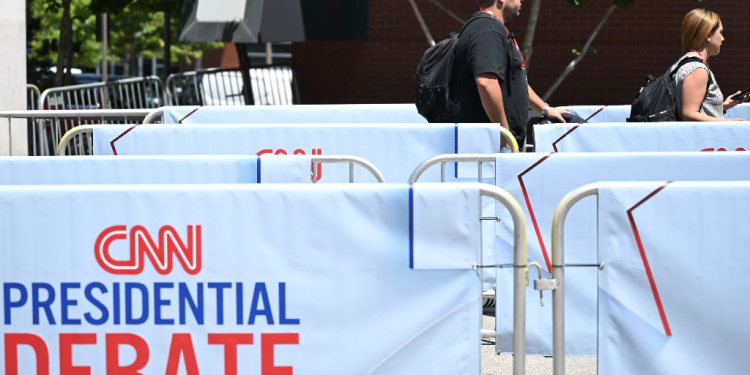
697,94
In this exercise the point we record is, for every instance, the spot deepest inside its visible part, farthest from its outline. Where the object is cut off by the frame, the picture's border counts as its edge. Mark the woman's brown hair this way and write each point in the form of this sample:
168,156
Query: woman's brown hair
697,26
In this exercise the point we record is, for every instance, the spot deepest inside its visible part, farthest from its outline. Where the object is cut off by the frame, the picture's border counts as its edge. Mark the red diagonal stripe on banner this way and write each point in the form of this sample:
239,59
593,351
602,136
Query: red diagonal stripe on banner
188,115
595,113
531,210
554,144
650,276
112,142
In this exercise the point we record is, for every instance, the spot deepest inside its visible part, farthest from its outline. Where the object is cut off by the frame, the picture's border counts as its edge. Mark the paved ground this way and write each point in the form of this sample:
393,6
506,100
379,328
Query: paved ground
535,365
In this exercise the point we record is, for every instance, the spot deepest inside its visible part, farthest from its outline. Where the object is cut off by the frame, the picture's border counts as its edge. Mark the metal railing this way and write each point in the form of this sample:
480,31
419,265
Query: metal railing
520,267
46,128
351,160
557,283
520,275
129,93
32,97
271,85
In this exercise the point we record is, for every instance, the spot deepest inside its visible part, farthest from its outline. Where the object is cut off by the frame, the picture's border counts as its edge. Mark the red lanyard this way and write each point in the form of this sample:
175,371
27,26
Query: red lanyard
523,62
701,56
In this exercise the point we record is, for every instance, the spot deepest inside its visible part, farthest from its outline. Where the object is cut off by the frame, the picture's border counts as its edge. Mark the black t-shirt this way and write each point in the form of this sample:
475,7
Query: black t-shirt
483,48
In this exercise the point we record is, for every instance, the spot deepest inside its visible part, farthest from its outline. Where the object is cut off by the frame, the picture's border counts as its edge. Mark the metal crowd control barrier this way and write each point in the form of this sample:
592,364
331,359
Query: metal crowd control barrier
129,93
151,117
465,158
48,127
520,267
271,85
86,131
351,160
156,116
32,97
557,283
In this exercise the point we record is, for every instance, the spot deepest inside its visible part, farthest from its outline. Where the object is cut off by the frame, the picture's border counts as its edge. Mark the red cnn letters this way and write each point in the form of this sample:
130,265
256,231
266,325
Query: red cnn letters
189,255
721,149
299,151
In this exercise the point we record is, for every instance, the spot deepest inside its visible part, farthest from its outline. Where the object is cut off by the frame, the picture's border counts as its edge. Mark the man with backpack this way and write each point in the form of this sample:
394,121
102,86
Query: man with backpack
488,82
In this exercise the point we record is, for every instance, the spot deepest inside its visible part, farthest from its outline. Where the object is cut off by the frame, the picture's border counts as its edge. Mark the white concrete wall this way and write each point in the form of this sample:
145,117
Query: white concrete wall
13,73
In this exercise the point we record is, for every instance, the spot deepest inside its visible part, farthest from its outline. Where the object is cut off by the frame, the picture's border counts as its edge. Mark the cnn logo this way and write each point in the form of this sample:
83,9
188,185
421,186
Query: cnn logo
142,246
299,151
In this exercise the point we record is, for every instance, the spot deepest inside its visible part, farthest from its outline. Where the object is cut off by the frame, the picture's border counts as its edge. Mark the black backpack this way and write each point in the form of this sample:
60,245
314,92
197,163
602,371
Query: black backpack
433,79
656,102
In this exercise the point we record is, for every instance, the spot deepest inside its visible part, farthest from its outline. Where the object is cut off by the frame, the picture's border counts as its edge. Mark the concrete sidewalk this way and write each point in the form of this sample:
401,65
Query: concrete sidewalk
535,365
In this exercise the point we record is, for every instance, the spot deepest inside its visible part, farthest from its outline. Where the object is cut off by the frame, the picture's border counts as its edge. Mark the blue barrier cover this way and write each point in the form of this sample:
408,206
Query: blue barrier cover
396,149
55,170
618,113
647,136
255,278
292,114
671,291
539,182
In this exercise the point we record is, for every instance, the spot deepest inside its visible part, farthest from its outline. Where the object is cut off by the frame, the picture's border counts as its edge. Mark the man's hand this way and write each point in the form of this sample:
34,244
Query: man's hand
556,113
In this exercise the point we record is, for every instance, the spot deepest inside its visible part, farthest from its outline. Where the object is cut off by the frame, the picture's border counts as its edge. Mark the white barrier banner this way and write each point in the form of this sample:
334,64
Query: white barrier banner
396,149
539,183
252,279
618,113
610,113
186,169
647,136
295,114
671,293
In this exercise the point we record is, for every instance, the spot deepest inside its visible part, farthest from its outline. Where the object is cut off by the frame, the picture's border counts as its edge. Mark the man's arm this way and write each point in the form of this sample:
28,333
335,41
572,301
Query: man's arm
536,103
492,100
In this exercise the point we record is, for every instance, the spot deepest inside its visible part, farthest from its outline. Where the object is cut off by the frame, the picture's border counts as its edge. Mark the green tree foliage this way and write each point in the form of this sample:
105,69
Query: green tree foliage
44,18
136,29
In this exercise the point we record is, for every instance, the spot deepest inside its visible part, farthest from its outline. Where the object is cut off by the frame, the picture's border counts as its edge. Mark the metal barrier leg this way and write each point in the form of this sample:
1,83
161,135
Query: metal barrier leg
558,274
519,249
519,274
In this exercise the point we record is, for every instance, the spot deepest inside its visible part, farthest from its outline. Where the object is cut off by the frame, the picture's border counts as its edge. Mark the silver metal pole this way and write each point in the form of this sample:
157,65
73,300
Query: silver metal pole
558,294
269,53
519,274
352,160
450,158
105,92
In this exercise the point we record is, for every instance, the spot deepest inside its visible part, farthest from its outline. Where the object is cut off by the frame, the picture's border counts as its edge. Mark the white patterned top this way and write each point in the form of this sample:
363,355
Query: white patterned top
713,104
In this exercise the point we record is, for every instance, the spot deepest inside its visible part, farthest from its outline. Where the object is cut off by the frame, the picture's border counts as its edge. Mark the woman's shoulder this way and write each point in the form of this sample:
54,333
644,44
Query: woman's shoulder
688,67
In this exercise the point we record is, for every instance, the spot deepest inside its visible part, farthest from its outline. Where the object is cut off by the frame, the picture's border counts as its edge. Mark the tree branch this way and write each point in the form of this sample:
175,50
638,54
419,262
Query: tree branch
450,13
528,40
426,31
578,58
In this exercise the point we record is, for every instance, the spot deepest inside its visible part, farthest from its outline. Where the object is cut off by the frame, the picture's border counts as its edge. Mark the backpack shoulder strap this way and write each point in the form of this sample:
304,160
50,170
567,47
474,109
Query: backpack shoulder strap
694,59
689,60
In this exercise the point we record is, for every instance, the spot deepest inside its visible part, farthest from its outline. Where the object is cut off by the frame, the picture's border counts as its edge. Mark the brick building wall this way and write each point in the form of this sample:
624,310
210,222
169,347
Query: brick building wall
643,39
